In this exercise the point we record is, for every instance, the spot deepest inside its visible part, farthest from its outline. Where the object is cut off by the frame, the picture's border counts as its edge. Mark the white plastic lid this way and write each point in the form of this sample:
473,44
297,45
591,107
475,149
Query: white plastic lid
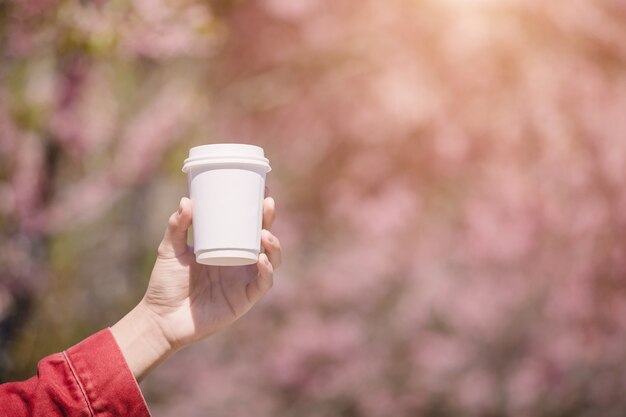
226,153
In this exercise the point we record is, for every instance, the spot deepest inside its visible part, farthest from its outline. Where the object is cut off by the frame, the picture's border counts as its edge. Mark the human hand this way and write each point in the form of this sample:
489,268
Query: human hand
186,301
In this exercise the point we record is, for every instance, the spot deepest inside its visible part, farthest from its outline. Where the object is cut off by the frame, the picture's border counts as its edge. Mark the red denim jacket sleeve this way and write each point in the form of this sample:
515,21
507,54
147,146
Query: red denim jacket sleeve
89,379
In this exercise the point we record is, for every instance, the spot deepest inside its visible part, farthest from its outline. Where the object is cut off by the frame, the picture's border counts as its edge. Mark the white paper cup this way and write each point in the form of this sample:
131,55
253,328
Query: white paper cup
227,188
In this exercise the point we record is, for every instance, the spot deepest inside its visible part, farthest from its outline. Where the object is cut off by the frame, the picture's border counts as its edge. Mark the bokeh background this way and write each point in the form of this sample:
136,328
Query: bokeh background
450,185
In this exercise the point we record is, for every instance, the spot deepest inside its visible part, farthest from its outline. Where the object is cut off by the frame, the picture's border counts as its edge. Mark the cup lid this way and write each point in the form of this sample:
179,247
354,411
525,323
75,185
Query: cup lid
225,153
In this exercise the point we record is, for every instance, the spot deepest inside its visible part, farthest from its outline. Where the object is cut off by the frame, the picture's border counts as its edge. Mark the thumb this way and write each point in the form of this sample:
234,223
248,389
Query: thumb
174,241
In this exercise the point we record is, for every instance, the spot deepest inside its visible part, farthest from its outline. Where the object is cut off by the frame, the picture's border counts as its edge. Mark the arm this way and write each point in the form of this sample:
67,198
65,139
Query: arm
185,302
90,378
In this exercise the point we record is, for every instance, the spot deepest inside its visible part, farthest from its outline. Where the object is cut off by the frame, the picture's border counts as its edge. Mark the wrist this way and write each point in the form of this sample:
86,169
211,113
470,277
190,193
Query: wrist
141,340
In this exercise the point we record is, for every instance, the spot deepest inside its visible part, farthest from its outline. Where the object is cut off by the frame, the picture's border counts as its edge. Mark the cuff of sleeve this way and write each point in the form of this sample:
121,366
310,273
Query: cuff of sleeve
109,387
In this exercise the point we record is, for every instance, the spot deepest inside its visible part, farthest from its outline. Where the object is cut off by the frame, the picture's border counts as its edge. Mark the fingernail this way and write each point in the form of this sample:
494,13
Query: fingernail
180,207
267,261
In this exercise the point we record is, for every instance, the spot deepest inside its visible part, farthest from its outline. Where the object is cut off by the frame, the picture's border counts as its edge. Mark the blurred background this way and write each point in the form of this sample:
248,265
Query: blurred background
450,185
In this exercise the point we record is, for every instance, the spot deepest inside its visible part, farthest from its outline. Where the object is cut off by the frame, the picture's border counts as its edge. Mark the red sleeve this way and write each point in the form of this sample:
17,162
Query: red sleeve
89,379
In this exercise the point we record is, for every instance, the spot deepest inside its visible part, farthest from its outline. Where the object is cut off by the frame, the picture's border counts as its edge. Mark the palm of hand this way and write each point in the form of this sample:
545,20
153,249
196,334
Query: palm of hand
196,300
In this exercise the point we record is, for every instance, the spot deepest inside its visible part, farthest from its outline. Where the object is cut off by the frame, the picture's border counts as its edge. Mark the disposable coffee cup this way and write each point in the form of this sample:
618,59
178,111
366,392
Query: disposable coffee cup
227,188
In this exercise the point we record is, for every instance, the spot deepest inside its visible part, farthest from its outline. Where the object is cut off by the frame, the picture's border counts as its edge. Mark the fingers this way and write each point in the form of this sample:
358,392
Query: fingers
174,241
263,281
267,263
269,212
271,244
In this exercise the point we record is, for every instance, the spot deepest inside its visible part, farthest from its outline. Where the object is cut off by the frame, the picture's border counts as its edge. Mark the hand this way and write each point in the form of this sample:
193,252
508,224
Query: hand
192,301
186,301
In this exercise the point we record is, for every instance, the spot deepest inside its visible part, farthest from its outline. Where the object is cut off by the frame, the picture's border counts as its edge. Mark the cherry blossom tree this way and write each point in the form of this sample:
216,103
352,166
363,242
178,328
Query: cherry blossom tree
449,178
451,175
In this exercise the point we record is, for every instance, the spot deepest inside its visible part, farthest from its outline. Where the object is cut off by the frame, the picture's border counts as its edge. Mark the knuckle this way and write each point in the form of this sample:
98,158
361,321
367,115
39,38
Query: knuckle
172,221
163,250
